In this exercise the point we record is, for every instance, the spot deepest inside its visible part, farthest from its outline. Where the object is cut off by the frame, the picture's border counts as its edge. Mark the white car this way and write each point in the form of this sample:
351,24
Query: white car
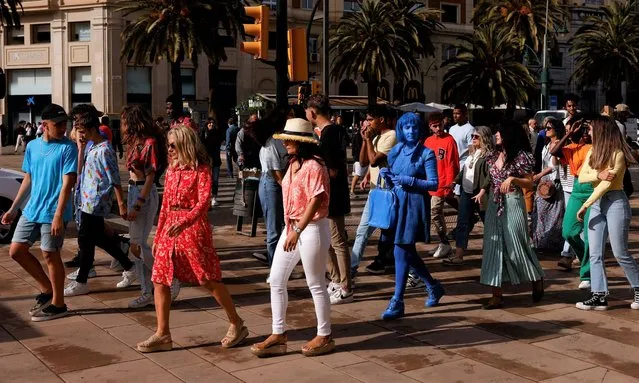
10,181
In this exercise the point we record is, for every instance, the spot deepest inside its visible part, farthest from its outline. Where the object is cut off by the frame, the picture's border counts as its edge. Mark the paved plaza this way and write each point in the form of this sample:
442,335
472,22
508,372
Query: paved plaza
455,342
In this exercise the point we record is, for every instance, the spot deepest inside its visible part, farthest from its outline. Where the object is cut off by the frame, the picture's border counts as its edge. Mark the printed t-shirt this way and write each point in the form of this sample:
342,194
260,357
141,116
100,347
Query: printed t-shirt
383,143
99,176
445,150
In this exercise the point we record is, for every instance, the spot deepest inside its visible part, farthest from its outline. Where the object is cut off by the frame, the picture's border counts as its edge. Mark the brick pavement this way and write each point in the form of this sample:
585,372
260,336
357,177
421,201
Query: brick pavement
455,342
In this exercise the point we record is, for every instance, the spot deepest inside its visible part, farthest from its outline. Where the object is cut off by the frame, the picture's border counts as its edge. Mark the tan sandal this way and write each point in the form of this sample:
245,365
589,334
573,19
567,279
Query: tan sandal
156,343
234,336
328,345
270,348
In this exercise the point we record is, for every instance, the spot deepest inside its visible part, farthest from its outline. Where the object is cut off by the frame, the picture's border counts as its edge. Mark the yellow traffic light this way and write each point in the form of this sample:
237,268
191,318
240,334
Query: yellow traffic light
297,55
259,30
316,87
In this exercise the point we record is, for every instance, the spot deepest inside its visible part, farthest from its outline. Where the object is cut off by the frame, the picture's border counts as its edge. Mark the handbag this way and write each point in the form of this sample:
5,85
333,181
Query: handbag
548,189
383,204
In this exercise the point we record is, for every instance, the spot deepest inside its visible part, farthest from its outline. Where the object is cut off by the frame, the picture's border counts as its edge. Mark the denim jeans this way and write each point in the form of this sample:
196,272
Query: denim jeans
467,208
363,233
566,251
215,173
139,231
229,163
270,193
610,217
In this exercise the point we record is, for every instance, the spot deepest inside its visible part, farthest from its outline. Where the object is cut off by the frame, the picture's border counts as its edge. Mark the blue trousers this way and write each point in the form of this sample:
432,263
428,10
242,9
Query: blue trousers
406,258
270,193
467,209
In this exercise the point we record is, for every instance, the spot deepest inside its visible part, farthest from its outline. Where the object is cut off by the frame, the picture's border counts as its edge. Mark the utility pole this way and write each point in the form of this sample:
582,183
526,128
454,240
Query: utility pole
326,56
544,69
281,49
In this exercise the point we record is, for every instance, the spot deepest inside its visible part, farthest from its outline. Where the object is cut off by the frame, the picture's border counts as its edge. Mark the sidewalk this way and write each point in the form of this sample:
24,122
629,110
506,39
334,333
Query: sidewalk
455,342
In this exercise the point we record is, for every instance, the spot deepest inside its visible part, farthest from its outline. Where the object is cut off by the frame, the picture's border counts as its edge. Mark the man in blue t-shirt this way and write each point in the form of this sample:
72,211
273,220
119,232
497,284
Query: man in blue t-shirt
50,164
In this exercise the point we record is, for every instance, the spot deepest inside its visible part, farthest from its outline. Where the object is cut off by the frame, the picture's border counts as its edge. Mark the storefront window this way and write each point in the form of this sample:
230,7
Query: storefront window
188,83
81,85
138,83
80,31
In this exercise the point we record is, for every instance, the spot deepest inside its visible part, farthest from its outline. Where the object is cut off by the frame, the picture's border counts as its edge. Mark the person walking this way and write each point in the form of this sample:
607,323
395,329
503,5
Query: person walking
548,213
50,164
359,171
20,137
306,193
100,177
610,214
445,149
183,247
339,265
211,137
146,156
508,256
231,154
474,179
412,172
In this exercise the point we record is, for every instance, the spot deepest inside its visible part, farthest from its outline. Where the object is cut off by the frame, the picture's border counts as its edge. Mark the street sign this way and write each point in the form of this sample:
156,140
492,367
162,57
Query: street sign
553,102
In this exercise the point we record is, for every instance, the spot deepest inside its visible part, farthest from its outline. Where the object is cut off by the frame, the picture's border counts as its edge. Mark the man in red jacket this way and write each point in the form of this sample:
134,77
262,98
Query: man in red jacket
445,149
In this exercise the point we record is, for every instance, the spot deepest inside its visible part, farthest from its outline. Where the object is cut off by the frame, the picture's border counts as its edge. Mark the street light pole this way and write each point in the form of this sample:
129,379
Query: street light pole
544,69
326,57
281,49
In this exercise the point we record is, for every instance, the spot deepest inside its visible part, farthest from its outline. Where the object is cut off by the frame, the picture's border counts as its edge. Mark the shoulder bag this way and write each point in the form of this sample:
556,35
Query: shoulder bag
383,206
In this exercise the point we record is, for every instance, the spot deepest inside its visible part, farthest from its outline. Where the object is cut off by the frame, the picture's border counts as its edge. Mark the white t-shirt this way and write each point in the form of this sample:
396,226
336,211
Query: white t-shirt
463,136
469,172
273,156
546,162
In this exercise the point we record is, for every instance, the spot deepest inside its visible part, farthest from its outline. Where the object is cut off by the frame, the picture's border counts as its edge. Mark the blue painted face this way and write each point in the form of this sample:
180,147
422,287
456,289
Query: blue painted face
411,133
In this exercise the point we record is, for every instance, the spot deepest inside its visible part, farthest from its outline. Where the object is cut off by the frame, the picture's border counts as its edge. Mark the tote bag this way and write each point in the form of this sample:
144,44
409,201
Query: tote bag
383,206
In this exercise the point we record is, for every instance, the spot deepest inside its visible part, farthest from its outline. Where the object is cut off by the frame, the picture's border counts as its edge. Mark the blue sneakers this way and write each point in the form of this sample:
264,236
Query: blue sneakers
435,293
395,310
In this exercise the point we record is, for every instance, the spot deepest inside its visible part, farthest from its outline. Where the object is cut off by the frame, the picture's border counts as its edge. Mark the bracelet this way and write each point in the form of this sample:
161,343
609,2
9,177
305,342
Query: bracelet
296,229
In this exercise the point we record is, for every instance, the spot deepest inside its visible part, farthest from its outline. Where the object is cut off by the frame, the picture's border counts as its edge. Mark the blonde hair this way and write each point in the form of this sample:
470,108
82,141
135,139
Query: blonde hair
190,151
485,139
606,140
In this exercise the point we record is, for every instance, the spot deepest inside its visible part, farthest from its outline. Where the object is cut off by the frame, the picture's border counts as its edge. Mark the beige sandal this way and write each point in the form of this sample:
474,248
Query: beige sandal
265,349
156,343
234,337
327,346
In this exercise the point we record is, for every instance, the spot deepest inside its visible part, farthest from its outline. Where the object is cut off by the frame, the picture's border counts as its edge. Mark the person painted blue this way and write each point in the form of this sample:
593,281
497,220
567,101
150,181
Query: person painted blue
412,172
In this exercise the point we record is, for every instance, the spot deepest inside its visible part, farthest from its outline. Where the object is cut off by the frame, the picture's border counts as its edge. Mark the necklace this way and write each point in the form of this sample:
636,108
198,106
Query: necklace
473,159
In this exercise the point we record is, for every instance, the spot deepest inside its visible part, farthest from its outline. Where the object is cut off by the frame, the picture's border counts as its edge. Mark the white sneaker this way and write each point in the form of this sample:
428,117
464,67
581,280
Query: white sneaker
141,301
175,289
584,285
76,288
128,277
214,203
339,297
443,251
332,287
74,275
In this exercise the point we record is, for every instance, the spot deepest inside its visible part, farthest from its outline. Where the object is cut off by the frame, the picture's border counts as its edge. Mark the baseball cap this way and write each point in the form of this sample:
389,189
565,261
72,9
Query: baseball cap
622,108
55,113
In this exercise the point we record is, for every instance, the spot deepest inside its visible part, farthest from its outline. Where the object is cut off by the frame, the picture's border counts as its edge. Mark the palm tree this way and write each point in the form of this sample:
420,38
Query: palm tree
10,13
176,30
486,71
606,48
524,18
386,36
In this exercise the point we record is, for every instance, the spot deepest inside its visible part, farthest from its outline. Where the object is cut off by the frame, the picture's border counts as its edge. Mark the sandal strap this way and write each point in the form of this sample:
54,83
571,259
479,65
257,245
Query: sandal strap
155,340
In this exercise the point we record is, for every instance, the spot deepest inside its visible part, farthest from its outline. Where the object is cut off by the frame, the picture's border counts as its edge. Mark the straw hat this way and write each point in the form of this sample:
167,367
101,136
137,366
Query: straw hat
297,129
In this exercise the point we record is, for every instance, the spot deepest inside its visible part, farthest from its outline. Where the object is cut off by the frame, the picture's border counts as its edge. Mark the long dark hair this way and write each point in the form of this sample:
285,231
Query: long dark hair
139,127
514,139
305,152
262,130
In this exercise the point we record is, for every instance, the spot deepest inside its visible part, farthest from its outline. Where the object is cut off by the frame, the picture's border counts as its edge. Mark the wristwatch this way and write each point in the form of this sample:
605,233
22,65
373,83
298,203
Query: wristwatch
297,229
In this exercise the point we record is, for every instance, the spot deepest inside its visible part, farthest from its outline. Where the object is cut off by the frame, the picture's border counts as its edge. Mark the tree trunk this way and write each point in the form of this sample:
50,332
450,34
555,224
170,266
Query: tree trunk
176,87
214,77
372,92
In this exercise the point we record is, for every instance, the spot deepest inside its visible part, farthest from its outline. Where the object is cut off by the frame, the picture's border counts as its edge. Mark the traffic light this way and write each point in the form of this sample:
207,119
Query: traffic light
316,87
297,55
259,30
302,93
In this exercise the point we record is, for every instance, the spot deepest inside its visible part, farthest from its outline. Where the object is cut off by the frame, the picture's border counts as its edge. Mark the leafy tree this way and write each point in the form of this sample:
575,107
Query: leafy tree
10,13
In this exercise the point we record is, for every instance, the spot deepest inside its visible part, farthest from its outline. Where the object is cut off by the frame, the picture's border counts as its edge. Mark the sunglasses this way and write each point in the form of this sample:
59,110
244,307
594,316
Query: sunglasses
476,136
171,146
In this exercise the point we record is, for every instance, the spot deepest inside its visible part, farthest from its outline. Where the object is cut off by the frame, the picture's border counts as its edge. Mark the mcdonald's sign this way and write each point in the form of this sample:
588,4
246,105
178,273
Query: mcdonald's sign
413,92
383,92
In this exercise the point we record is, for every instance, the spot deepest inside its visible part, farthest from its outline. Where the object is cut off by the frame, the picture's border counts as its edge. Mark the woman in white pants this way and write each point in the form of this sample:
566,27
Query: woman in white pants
305,190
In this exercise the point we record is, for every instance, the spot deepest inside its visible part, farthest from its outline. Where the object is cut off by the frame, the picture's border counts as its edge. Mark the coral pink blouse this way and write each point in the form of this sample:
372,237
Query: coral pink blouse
310,181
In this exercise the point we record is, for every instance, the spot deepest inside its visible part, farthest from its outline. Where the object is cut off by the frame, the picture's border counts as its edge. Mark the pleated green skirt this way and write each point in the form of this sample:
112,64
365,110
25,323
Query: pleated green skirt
508,255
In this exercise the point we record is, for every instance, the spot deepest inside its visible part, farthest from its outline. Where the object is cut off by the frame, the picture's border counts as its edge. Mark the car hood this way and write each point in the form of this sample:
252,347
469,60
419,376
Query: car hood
9,173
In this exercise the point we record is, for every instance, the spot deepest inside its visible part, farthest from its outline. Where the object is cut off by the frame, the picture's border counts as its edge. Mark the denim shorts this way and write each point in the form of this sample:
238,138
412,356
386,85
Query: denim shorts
29,232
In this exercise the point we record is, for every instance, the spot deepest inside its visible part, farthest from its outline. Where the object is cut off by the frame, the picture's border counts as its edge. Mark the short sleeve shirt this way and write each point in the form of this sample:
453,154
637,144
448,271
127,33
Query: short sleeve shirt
100,175
144,157
310,181
273,155
47,162
463,136
382,144
575,155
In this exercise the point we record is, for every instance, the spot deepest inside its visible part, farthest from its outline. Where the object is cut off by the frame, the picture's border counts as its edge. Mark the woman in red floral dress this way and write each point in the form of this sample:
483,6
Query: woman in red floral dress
183,245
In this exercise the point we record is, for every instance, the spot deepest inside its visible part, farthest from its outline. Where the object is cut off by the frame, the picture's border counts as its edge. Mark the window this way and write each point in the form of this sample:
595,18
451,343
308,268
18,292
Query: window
227,41
29,82
448,52
80,31
271,3
556,59
80,85
351,6
40,33
138,87
16,36
188,83
308,4
313,49
450,13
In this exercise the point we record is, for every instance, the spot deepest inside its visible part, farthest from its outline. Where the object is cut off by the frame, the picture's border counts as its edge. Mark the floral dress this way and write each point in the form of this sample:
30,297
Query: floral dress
190,256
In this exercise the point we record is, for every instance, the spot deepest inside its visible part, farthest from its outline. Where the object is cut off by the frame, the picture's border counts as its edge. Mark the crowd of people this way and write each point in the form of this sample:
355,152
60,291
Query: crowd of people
559,188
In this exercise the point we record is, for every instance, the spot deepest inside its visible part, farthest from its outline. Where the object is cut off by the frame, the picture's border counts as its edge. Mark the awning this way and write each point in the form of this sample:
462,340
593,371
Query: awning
337,102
